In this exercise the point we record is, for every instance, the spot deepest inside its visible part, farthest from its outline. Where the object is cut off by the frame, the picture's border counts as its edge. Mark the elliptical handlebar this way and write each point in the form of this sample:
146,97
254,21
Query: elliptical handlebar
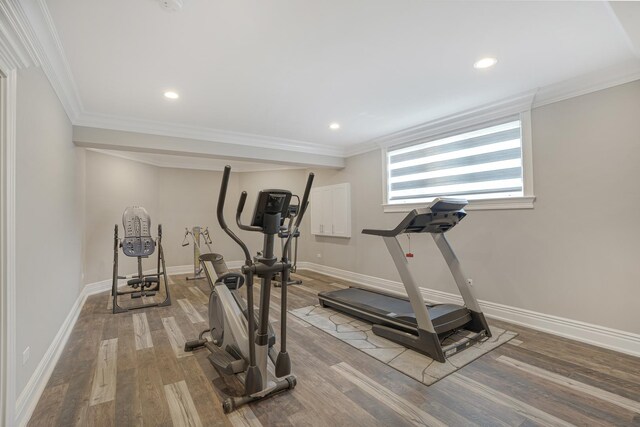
241,202
303,208
305,199
220,213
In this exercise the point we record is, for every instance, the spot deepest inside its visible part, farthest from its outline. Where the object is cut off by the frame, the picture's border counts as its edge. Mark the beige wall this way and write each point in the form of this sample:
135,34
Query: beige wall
49,219
575,255
112,184
187,198
175,198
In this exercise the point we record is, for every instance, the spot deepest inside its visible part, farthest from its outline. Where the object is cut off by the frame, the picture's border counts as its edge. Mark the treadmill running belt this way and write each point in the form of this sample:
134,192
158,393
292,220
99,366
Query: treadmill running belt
383,309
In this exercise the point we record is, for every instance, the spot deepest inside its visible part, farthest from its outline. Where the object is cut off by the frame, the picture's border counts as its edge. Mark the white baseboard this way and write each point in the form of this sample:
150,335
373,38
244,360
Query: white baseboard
613,339
28,398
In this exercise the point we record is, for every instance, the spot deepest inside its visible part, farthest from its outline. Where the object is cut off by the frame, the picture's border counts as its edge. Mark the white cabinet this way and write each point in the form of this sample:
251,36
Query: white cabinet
331,210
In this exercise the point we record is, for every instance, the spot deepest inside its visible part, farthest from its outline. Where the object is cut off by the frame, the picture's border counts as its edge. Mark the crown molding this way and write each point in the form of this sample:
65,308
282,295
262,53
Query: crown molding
153,127
453,122
16,41
181,165
109,139
44,37
592,82
603,79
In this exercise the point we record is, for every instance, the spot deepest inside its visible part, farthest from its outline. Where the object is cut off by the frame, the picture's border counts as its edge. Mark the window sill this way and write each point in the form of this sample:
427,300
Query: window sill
525,202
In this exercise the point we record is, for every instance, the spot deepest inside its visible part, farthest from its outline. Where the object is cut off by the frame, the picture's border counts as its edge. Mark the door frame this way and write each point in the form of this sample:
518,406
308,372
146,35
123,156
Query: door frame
8,77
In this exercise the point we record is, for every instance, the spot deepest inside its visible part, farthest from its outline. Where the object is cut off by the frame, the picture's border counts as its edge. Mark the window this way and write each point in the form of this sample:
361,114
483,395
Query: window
485,163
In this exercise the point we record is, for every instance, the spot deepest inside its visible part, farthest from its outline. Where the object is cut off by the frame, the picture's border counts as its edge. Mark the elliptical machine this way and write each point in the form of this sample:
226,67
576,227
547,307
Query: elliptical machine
236,347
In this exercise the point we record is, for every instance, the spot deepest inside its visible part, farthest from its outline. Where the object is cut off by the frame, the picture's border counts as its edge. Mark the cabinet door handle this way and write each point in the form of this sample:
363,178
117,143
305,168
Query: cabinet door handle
332,231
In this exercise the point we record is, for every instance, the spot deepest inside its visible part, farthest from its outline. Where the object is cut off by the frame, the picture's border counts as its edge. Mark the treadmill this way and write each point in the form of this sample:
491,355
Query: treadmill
410,321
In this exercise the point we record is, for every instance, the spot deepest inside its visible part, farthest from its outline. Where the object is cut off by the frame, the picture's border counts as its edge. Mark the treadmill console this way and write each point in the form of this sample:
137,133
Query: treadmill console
439,216
447,205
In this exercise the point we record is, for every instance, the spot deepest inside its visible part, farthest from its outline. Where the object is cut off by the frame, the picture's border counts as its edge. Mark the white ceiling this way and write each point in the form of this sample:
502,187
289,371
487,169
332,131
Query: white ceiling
287,68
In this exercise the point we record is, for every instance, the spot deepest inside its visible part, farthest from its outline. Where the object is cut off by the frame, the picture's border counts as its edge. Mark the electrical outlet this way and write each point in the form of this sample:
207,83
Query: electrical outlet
470,282
25,355
319,255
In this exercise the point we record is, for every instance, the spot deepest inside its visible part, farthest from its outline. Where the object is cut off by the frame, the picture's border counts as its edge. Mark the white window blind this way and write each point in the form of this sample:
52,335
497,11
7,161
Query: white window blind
481,164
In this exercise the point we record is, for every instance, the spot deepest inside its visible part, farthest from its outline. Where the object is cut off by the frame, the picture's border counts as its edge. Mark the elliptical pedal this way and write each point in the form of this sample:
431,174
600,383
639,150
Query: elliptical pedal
226,363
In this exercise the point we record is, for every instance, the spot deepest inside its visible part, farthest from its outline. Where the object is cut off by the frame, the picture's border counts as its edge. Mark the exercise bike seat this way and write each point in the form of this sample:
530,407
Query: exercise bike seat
137,241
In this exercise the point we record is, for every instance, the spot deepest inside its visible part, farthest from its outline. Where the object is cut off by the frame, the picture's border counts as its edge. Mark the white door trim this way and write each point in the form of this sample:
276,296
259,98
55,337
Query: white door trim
18,50
8,247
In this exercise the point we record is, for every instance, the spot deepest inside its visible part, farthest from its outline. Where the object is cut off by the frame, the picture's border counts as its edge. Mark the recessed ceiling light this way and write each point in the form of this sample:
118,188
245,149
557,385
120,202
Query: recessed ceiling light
334,126
485,63
171,95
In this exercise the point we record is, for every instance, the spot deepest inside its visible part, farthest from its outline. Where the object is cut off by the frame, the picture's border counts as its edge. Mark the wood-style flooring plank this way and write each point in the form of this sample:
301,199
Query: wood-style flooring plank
600,359
49,406
176,338
102,414
202,392
76,400
244,417
193,314
200,296
103,388
549,397
141,331
411,414
623,402
128,405
155,409
595,378
168,364
533,414
183,411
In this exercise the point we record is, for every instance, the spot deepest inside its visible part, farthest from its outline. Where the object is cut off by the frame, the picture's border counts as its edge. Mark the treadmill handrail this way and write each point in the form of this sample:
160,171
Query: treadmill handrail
399,229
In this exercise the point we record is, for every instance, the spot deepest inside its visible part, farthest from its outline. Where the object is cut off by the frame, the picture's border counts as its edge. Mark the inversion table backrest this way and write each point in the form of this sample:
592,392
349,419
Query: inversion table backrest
137,240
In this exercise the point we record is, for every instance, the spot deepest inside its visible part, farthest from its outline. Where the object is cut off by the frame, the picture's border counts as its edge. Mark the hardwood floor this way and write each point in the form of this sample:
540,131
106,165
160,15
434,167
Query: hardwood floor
130,370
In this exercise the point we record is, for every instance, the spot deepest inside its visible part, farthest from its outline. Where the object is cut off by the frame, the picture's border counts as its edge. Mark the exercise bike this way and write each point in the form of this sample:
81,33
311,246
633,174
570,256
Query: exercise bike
236,346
